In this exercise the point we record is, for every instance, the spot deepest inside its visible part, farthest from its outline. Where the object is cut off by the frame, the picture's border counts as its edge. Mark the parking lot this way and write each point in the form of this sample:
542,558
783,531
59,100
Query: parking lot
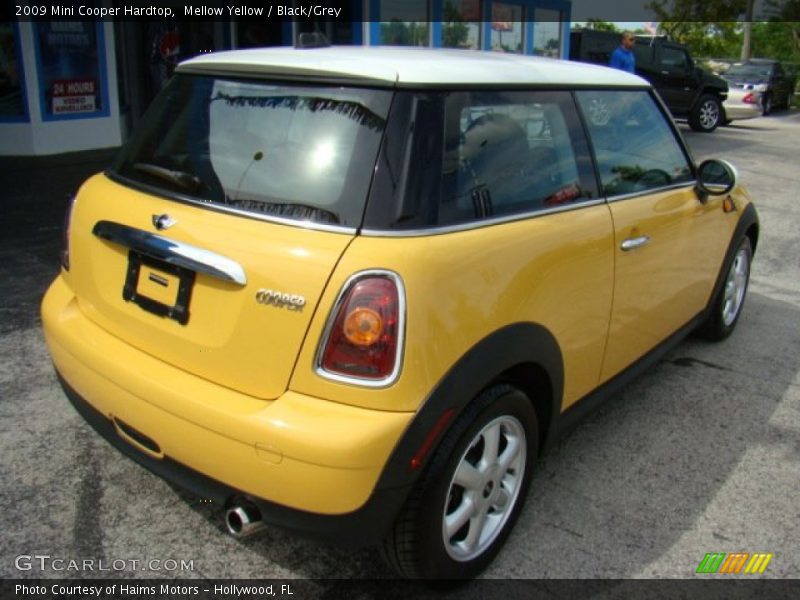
701,454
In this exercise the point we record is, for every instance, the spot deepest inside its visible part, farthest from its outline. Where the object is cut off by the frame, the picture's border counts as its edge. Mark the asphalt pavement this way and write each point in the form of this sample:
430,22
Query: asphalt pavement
701,454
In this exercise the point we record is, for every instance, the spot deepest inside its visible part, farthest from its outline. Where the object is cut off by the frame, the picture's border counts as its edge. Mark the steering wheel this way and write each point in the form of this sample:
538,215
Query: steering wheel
653,178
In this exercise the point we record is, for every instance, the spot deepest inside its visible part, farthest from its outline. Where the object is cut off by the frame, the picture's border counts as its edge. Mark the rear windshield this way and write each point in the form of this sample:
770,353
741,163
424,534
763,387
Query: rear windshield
751,72
279,150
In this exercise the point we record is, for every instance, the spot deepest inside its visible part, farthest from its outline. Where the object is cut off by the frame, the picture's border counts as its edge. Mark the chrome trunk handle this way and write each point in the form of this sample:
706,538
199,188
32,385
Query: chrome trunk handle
172,251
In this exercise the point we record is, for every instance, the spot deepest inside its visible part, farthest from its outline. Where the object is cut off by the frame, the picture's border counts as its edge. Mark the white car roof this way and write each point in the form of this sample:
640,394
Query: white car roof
403,66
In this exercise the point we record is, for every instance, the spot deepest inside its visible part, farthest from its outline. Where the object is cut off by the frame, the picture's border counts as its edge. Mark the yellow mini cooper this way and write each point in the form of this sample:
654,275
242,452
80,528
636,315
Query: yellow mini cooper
356,291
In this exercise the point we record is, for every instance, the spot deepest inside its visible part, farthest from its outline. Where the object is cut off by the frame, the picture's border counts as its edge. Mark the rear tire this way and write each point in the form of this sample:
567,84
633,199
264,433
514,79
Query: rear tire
767,106
706,114
728,303
466,502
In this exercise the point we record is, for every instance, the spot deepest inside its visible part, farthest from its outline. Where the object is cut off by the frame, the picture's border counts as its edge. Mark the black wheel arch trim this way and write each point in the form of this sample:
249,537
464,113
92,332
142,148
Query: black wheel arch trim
747,220
480,367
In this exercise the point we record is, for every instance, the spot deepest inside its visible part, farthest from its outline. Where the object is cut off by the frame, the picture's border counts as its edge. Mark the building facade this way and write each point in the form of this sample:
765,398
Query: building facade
70,85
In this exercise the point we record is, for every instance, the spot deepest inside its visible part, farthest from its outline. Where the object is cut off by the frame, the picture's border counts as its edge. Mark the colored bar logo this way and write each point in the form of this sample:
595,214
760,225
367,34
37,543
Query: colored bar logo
734,563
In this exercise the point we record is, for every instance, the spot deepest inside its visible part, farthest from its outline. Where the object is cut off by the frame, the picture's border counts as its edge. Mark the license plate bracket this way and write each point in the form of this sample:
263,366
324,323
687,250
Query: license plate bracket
131,292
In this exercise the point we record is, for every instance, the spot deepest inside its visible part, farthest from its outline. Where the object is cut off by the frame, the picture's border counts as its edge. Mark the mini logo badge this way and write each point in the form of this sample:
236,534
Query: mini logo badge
162,222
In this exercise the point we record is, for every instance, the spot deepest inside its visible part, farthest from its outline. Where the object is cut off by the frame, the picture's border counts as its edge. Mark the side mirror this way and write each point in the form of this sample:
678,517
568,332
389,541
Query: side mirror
716,177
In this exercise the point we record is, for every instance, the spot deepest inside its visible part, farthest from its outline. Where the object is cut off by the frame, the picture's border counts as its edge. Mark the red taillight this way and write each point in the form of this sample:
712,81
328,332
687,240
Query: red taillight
365,338
750,98
65,238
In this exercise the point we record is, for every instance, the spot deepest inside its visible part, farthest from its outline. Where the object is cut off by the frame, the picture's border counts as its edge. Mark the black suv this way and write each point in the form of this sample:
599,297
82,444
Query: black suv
688,91
766,76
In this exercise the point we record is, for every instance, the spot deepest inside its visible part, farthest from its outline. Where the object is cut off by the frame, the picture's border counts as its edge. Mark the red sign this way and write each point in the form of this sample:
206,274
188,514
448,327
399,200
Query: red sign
73,96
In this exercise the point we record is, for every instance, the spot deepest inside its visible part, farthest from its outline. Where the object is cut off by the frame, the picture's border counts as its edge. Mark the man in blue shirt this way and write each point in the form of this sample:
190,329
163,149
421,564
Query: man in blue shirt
623,57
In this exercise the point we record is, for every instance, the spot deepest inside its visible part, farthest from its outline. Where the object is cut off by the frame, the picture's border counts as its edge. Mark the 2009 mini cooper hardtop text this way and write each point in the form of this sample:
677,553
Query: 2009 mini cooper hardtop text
356,291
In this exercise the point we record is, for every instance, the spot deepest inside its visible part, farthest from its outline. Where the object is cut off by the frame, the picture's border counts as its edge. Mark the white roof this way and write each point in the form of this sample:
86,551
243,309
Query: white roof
410,66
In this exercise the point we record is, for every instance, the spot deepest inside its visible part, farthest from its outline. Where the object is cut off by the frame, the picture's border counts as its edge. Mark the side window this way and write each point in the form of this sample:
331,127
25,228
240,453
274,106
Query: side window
643,52
511,153
674,58
635,148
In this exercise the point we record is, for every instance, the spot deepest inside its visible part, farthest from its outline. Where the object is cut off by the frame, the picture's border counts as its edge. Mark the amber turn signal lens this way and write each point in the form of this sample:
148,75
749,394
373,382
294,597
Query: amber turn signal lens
363,327
366,335
728,205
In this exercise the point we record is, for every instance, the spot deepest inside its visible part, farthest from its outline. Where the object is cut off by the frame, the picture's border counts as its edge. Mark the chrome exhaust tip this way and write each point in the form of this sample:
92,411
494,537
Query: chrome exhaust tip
243,520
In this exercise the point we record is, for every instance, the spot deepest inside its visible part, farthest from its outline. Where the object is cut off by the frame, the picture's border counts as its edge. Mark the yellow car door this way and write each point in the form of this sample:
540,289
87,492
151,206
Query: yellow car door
667,240
663,270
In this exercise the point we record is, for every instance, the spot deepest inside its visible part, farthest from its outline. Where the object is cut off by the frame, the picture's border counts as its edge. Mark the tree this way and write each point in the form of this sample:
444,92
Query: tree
599,25
777,39
748,31
708,27
725,28
786,27
401,33
707,39
705,11
454,31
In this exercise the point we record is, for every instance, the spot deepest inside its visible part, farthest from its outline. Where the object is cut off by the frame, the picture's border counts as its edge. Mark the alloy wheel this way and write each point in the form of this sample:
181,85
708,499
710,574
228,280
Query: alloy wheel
735,287
709,114
484,489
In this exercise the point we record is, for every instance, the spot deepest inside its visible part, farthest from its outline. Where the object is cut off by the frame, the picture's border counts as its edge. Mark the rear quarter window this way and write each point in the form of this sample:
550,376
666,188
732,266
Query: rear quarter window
473,156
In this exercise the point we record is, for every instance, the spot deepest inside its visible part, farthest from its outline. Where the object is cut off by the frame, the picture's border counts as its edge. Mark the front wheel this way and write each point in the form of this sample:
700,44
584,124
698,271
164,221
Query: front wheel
706,114
728,303
467,501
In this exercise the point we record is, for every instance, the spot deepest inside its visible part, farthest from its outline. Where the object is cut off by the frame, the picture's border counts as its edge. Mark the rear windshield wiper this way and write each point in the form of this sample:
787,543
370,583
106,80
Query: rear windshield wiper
183,180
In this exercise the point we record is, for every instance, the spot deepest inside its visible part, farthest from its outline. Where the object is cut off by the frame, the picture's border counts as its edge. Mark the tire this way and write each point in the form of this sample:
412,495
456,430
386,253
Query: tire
727,305
466,502
767,106
706,114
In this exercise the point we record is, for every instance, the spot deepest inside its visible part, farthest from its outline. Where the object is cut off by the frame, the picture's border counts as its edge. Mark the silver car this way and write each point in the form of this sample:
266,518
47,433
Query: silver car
743,104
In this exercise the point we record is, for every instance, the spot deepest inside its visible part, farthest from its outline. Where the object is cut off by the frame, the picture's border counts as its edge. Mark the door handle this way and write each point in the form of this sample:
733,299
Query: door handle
633,243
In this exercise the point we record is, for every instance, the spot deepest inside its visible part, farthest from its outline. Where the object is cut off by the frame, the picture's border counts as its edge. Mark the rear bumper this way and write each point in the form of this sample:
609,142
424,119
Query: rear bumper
365,526
741,110
308,464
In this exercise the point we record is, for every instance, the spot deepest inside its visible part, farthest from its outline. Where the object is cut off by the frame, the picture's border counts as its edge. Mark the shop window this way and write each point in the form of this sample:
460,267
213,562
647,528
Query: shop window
335,32
12,97
547,33
258,33
507,28
405,22
461,27
69,55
